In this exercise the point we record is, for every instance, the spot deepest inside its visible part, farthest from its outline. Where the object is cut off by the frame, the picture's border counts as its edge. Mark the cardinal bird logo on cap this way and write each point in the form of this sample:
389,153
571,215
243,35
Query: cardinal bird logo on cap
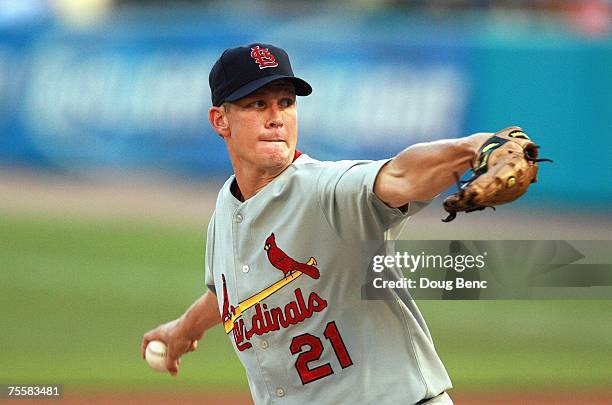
263,57
287,265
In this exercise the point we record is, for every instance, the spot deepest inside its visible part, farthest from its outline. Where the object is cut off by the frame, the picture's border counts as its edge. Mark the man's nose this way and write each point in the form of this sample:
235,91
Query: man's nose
275,119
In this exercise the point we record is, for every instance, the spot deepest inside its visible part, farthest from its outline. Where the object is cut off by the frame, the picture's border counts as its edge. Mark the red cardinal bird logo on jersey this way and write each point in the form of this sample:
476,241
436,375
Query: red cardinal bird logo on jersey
287,265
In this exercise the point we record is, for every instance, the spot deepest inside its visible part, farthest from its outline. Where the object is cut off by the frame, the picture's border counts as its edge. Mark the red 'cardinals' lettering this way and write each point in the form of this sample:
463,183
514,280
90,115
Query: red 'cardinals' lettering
286,264
238,332
267,320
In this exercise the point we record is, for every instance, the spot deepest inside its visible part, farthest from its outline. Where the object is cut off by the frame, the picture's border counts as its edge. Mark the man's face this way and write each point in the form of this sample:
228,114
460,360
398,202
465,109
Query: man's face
263,127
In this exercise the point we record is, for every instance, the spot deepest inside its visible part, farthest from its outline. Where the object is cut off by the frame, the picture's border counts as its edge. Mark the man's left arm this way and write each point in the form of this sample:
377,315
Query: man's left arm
422,171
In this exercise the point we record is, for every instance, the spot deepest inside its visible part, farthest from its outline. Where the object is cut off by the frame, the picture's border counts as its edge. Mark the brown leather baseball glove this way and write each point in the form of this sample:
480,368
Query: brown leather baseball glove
505,166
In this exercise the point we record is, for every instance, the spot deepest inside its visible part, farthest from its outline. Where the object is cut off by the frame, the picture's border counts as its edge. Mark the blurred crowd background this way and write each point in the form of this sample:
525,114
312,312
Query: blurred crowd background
103,85
101,92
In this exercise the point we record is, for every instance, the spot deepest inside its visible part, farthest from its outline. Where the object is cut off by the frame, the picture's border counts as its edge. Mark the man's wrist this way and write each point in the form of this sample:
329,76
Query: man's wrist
475,142
187,326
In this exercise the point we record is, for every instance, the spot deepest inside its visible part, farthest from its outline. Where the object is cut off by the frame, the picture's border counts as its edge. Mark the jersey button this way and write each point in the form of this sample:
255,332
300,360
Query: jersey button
238,218
280,392
264,344
245,268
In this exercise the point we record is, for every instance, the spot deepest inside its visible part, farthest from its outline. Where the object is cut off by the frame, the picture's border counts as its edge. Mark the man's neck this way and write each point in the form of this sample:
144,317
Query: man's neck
249,181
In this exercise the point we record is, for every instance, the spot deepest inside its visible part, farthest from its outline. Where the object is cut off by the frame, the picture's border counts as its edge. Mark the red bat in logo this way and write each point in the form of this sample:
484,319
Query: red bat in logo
284,263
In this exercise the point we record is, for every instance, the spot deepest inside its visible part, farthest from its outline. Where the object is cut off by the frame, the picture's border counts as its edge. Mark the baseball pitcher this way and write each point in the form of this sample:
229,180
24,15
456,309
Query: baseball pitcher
283,261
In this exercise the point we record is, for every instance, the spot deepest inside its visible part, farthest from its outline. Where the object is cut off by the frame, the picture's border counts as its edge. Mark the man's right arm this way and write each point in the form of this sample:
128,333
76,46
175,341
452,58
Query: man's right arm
181,335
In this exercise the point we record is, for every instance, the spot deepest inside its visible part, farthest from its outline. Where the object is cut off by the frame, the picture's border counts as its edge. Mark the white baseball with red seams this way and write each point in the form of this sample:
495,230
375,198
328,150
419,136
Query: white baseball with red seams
156,355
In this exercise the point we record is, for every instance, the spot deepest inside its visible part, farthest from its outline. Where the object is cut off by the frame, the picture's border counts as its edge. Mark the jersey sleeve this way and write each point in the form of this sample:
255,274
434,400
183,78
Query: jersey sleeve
353,210
208,255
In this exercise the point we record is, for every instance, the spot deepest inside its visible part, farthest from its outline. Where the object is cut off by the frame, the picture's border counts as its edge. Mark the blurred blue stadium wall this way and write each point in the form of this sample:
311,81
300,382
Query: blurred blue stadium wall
133,93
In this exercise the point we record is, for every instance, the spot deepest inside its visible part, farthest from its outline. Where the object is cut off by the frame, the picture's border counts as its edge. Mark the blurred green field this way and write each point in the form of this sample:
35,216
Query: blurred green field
77,295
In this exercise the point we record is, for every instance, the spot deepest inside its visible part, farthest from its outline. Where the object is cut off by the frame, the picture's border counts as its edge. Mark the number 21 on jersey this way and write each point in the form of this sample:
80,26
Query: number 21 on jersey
314,352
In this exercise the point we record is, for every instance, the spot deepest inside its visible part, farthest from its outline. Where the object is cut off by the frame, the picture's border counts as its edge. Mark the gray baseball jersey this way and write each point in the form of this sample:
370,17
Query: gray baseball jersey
287,270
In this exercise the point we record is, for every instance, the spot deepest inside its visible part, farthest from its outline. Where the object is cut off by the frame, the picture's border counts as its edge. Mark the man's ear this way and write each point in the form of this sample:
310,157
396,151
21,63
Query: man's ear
217,116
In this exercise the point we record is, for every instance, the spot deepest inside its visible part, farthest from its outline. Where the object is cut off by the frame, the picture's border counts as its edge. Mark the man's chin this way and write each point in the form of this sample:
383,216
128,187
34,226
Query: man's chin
277,154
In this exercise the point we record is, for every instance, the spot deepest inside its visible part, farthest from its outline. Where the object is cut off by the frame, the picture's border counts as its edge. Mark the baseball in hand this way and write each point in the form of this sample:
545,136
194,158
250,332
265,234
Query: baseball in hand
156,355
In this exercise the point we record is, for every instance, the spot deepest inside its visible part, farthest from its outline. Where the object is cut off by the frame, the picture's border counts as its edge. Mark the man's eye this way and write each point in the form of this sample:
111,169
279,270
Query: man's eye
287,102
258,104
